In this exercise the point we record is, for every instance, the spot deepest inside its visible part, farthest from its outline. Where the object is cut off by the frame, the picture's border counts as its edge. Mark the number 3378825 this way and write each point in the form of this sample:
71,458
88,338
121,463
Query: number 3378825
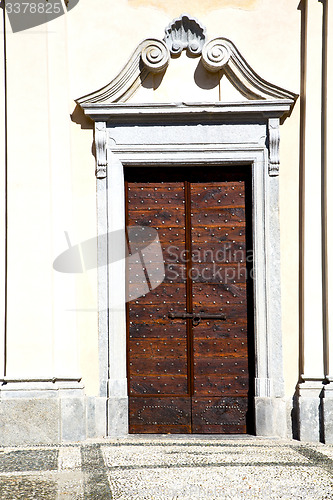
33,8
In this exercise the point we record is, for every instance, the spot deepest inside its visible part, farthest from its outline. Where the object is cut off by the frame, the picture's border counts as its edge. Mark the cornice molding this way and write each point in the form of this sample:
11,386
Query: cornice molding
189,112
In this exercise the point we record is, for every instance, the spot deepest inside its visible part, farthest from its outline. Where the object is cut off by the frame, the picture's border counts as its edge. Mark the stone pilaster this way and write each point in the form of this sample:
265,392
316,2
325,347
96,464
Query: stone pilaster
328,214
312,347
117,384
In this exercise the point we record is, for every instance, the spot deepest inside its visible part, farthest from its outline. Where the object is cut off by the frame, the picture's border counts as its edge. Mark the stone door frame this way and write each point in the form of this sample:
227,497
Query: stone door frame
171,135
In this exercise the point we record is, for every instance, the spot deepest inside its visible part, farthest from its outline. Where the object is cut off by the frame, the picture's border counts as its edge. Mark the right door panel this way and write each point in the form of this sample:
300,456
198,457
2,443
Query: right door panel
219,276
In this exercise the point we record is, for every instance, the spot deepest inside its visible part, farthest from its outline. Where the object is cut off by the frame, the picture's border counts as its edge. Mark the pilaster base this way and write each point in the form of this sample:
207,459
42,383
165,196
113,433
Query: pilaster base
327,409
272,416
310,411
117,416
49,412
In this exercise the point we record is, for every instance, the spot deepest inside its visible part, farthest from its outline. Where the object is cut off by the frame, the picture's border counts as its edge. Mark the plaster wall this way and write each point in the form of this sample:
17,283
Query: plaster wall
30,304
52,318
3,195
48,323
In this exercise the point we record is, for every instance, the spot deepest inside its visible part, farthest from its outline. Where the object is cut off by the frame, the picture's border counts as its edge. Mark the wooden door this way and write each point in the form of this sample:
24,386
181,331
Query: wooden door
190,342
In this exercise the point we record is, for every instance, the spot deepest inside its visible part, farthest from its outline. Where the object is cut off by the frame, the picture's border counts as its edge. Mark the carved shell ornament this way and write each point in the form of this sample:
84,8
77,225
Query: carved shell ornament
185,33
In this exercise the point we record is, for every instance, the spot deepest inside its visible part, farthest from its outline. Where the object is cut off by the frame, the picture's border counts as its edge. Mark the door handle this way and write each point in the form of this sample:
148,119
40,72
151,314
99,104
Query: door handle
180,315
196,317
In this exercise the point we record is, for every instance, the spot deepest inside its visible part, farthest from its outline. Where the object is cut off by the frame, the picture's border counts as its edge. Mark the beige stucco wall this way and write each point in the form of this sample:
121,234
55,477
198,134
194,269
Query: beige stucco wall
29,308
52,318
2,197
49,313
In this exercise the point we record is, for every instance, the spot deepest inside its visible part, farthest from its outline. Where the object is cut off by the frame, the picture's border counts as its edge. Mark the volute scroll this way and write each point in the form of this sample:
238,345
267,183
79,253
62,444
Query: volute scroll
155,56
215,54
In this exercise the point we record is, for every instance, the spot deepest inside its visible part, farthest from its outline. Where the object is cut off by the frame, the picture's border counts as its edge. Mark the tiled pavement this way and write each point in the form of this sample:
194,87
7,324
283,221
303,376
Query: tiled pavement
169,467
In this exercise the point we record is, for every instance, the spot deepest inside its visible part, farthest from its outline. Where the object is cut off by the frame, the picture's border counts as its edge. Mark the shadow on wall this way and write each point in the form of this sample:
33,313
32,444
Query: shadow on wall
295,416
151,81
85,122
203,78
81,119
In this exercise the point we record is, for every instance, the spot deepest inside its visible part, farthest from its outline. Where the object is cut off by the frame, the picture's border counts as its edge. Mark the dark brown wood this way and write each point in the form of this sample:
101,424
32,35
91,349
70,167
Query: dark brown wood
156,329
157,366
157,349
160,347
223,236
219,415
228,364
225,329
230,194
189,302
218,347
220,292
183,376
160,415
215,385
158,384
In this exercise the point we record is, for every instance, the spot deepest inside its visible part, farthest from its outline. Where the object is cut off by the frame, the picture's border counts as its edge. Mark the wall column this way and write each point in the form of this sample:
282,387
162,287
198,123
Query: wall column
328,163
41,394
312,318
3,201
117,384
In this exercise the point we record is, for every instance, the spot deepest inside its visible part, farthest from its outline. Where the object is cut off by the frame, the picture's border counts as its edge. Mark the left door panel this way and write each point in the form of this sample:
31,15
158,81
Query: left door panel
159,398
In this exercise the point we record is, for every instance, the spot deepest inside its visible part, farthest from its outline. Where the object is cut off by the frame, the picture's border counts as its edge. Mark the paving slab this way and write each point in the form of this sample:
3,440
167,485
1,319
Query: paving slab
169,467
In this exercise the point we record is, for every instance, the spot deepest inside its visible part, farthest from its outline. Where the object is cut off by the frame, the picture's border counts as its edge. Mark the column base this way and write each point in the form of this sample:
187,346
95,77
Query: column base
117,416
272,417
309,411
49,412
327,412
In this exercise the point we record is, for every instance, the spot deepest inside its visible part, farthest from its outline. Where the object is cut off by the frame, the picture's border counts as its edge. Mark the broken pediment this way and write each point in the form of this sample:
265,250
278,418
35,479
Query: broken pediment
211,71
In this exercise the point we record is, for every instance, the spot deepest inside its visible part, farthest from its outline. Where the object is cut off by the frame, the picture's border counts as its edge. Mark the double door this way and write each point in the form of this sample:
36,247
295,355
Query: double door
190,339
